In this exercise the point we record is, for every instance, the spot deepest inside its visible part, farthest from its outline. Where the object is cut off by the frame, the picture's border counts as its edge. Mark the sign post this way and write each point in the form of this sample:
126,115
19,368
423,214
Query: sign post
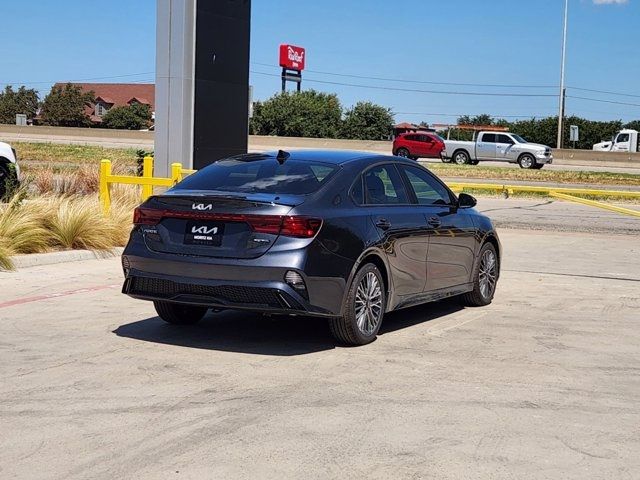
292,61
574,134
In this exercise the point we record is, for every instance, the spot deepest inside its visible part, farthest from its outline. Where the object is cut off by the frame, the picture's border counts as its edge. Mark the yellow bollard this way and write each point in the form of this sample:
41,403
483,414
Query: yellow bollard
176,172
105,193
147,172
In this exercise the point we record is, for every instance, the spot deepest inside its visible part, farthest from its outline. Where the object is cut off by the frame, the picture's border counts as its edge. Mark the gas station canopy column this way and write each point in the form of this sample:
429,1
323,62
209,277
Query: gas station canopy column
202,81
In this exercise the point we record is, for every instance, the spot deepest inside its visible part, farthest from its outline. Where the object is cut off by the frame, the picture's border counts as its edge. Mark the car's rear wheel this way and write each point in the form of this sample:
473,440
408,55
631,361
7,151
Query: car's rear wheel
178,314
402,152
485,278
461,157
527,161
5,180
364,309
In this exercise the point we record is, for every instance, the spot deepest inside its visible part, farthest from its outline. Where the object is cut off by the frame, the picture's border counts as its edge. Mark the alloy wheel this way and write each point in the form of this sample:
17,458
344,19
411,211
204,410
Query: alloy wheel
368,304
487,274
460,159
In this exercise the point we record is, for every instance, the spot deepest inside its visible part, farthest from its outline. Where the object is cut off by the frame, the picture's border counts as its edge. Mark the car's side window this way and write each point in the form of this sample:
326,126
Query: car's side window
427,189
488,138
357,192
383,186
504,139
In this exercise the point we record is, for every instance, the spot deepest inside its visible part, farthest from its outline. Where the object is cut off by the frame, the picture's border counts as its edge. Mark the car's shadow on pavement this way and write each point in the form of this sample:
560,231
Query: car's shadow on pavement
278,335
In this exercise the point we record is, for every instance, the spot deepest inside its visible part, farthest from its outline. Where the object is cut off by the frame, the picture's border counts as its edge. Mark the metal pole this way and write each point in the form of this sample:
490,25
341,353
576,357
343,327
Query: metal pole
562,90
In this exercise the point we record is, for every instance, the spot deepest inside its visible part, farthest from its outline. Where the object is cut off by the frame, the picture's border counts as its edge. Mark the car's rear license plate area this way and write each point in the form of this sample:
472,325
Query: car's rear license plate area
204,233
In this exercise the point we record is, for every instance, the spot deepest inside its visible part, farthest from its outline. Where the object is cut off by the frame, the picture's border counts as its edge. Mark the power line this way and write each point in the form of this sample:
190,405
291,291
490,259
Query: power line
605,92
412,90
604,101
82,79
495,116
387,79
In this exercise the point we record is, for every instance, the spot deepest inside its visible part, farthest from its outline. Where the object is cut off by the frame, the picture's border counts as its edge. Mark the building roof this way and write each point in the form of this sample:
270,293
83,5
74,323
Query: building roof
120,94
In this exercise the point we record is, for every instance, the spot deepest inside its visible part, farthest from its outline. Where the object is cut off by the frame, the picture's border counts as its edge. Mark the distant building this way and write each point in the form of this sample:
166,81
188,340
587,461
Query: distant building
109,95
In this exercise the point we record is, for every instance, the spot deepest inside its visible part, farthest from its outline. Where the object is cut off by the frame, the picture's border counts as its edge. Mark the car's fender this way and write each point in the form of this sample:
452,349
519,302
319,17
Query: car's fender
382,257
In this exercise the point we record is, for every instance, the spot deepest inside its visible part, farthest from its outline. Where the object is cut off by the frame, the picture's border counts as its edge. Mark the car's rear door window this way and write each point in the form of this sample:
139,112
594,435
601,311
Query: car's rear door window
383,185
488,138
264,175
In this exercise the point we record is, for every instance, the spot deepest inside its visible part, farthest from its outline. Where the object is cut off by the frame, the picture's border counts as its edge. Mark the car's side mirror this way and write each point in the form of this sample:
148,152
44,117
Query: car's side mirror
466,201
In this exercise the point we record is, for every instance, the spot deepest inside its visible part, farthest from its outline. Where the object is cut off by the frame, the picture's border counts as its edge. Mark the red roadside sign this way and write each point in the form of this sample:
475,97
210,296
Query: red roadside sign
292,57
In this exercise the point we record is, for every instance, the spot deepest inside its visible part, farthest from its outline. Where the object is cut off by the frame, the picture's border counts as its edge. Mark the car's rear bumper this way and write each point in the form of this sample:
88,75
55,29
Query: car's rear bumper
256,284
265,297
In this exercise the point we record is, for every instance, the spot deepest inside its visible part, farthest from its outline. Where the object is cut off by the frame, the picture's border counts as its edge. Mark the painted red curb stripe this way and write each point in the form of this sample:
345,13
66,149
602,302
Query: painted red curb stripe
49,296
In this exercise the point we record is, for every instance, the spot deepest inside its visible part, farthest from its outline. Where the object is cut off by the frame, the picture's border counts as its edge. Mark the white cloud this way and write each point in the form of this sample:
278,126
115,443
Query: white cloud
610,2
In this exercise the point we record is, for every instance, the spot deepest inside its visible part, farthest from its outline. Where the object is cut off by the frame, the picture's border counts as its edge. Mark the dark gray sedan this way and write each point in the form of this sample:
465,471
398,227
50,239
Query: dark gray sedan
344,235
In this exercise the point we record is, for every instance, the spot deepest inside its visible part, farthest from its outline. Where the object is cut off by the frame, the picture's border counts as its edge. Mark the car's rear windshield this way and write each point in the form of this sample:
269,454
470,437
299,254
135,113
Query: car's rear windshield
293,177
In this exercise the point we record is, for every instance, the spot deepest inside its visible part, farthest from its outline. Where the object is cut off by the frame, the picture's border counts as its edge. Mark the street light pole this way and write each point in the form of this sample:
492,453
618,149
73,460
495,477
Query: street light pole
562,89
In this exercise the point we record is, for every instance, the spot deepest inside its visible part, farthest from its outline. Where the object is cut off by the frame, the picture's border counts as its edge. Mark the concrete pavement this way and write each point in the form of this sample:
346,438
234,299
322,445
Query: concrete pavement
541,384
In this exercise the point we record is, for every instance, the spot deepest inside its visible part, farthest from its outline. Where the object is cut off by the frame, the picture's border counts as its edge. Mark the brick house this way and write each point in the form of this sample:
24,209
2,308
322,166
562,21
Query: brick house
109,95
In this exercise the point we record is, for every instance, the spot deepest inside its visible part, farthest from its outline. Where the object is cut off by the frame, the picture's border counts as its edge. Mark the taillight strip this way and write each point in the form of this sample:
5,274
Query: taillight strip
290,226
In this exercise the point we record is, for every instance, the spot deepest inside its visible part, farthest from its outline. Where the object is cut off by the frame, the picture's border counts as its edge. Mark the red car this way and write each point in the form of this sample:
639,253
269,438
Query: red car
417,145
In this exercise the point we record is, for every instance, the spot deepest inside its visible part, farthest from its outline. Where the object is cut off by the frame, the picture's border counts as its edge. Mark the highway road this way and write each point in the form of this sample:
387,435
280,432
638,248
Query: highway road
144,140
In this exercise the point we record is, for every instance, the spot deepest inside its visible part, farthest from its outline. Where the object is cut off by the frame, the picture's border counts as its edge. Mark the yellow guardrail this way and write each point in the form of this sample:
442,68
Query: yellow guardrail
562,193
147,181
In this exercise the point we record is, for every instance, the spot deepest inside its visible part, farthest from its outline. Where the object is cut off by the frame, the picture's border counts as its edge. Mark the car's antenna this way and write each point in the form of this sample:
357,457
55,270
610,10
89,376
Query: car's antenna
282,156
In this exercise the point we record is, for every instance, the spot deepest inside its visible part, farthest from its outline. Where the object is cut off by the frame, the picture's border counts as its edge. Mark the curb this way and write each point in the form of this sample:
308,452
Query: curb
39,259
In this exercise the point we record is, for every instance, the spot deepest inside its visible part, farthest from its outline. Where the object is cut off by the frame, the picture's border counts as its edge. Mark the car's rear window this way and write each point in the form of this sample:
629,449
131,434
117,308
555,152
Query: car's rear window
293,177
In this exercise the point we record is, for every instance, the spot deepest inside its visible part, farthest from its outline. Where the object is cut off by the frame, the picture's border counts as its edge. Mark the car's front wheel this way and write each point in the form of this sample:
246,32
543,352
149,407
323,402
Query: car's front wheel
178,314
485,278
527,161
364,308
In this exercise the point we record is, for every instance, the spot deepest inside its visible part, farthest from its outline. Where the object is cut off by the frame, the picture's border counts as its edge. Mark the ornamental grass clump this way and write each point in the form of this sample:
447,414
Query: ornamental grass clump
59,222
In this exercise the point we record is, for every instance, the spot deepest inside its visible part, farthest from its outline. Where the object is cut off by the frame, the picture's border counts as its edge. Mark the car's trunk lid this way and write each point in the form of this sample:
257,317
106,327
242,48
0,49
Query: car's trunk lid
215,225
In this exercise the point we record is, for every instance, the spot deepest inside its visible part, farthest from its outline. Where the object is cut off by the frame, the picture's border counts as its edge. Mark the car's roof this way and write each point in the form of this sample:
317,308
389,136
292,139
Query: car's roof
337,157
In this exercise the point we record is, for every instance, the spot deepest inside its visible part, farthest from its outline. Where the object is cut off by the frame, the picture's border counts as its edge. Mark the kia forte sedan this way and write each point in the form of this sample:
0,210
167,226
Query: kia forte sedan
348,236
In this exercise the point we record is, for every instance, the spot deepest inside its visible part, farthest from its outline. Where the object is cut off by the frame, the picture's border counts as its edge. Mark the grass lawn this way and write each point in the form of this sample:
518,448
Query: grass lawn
61,157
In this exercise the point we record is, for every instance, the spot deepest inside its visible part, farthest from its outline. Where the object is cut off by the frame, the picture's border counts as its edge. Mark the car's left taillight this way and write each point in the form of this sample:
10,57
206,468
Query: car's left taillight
147,216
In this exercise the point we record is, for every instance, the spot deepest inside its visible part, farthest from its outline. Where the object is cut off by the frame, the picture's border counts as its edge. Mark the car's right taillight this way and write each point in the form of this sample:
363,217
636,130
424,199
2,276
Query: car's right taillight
300,227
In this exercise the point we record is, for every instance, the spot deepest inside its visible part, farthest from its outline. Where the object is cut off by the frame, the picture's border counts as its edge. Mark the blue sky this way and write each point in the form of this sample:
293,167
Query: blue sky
489,42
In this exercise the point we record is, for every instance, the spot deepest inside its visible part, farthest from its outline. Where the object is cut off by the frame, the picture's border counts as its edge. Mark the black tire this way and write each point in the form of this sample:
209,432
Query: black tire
6,179
480,297
527,161
475,162
179,314
402,152
538,166
461,157
350,329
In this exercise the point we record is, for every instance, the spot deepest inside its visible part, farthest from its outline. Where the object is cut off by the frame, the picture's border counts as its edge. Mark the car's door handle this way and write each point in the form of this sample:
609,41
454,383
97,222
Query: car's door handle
383,223
434,222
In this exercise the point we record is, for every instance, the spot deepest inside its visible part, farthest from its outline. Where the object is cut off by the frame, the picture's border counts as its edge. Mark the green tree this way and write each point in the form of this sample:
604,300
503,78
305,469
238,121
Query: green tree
298,114
65,107
24,100
132,117
367,121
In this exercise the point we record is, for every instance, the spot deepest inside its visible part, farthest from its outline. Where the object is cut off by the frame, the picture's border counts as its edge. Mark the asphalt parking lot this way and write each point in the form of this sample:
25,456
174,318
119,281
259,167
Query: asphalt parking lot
544,383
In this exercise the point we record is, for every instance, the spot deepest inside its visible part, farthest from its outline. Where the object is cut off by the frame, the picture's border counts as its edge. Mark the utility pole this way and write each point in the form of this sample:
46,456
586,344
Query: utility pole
562,89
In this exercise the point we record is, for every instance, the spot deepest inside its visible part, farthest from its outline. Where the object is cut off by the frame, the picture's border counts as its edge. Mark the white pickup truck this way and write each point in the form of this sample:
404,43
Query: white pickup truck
498,147
624,141
9,169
